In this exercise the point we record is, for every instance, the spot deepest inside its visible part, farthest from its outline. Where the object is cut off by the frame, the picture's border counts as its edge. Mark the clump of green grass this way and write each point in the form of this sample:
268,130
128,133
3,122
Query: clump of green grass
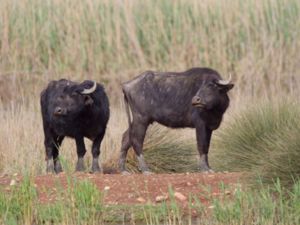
263,140
86,201
81,203
266,205
19,205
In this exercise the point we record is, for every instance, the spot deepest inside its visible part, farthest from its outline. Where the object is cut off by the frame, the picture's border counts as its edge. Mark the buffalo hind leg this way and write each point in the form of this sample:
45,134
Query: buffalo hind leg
96,152
137,136
124,150
80,153
203,135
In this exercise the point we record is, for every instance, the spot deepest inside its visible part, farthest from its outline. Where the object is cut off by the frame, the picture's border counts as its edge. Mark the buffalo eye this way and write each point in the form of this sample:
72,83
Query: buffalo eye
212,85
74,94
60,98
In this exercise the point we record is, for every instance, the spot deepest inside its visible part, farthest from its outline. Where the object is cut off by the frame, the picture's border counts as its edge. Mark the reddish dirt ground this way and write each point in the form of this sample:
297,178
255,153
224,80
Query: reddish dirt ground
138,188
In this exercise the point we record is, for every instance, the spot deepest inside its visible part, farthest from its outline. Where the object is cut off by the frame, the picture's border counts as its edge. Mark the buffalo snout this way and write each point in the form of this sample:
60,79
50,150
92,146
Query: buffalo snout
197,101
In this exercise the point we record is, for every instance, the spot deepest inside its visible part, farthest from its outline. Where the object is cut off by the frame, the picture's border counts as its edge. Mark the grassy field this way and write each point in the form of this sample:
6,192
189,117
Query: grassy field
82,203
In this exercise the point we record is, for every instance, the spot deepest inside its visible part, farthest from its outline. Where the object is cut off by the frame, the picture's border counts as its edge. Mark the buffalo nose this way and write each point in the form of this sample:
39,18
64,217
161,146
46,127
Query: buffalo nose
58,111
196,100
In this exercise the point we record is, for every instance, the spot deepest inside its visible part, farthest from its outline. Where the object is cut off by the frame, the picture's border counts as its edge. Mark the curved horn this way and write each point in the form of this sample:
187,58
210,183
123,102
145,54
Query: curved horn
225,82
90,90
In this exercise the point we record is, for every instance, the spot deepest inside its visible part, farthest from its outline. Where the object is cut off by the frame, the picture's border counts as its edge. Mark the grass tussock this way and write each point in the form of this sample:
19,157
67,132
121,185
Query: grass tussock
264,140
168,151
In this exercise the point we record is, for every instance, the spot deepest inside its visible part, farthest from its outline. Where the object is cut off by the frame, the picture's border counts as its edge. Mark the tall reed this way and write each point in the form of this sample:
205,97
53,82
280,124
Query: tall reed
257,41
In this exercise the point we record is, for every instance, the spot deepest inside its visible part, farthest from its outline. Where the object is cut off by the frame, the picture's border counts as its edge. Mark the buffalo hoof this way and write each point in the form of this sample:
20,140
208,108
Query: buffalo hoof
96,169
147,172
80,168
95,166
50,170
50,166
58,167
125,172
208,171
80,165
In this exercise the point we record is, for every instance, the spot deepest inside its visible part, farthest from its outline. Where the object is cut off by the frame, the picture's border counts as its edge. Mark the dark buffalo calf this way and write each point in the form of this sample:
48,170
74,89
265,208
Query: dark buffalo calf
73,110
196,98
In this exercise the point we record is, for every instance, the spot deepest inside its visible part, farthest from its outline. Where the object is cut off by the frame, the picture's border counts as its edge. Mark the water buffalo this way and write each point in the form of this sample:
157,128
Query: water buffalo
77,111
196,98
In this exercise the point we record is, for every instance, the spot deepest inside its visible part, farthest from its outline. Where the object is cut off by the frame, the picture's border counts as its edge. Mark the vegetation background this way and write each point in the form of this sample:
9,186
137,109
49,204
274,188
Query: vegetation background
256,41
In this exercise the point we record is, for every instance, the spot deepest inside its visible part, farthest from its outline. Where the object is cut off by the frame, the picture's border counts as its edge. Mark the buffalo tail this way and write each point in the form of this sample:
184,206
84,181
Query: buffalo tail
127,110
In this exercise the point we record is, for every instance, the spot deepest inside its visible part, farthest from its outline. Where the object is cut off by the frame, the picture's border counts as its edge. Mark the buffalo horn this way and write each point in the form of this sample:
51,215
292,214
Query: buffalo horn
89,90
225,82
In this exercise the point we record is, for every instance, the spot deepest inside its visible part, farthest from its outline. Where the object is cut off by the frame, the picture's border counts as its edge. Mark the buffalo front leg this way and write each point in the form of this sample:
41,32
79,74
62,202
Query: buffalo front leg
80,153
203,135
137,136
52,145
49,159
96,152
57,165
124,149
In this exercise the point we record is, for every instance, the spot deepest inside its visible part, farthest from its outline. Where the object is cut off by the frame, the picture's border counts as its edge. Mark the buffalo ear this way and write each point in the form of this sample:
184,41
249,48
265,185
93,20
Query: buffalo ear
88,100
86,87
226,87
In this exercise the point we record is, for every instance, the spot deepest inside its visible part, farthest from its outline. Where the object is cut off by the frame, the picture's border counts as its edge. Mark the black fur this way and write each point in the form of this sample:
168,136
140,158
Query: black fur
167,98
67,112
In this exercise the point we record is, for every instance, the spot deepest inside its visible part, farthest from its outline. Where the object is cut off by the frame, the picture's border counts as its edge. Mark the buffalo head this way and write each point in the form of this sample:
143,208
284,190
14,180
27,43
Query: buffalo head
70,99
211,93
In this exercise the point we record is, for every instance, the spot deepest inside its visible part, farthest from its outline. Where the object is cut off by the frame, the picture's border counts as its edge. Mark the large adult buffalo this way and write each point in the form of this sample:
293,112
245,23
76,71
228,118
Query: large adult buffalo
77,111
196,98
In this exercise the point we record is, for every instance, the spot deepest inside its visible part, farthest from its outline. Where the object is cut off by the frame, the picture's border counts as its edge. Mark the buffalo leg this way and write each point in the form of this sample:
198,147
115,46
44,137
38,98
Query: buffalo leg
124,149
49,159
52,151
137,136
203,135
57,165
80,153
96,153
